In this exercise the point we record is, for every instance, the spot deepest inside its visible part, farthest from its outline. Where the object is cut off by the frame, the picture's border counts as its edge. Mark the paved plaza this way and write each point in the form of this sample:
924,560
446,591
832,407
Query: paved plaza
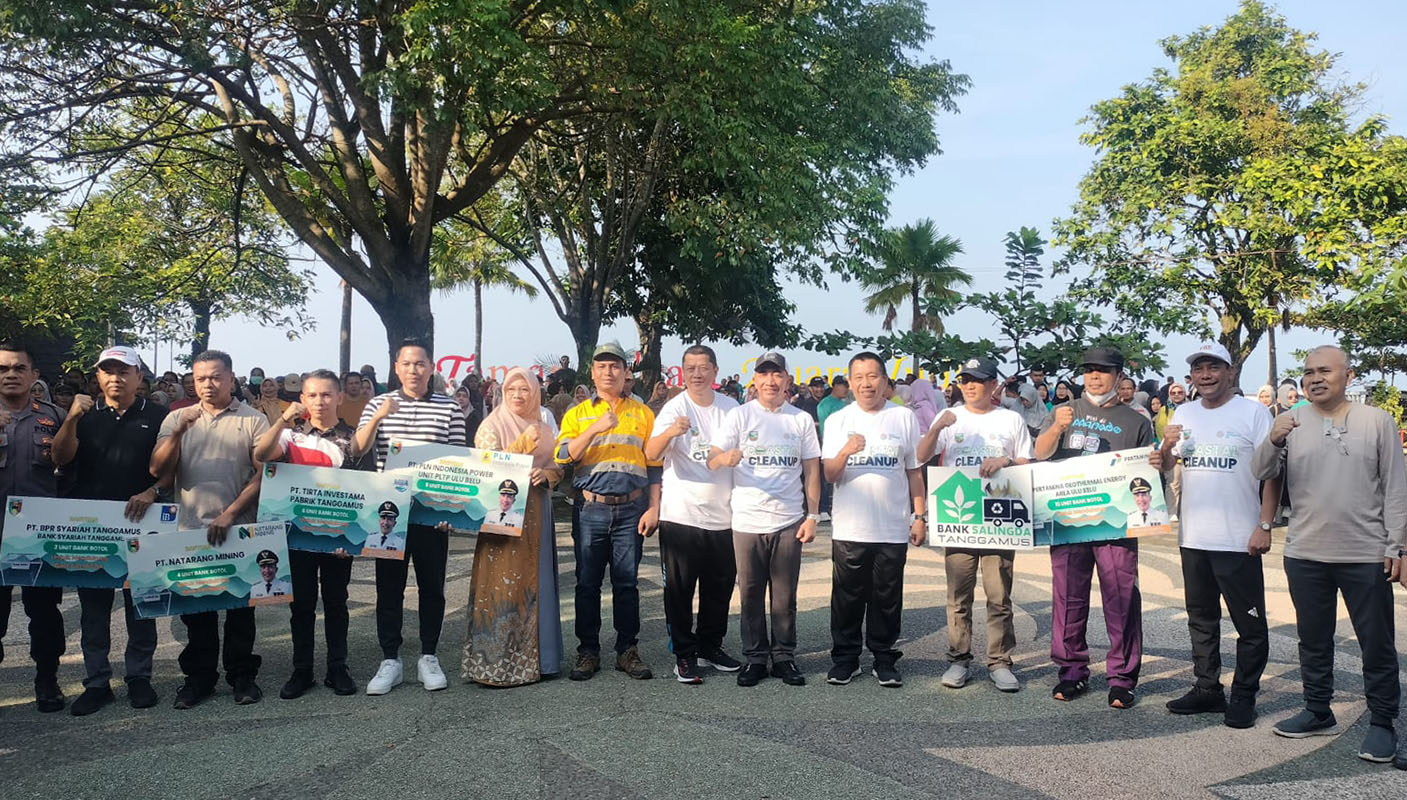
616,738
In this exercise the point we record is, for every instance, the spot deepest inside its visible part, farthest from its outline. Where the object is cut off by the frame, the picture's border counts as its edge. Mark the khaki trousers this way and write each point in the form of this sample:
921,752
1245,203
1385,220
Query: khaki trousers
996,566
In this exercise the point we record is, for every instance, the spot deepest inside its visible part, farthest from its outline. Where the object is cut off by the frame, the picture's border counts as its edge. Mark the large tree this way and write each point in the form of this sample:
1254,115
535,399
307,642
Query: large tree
782,153
1234,183
367,124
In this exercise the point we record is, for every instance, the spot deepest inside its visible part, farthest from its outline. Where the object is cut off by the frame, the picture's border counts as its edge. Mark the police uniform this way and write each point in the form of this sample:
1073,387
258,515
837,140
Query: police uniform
27,470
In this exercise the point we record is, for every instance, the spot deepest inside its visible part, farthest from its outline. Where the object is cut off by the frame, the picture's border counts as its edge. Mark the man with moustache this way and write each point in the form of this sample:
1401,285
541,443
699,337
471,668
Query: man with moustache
990,438
696,540
880,509
27,431
1096,422
772,450
208,450
1226,522
617,506
110,446
1348,534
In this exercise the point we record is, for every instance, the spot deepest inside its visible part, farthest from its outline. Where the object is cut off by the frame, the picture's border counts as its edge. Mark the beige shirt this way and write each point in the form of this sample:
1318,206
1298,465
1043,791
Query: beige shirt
216,462
1344,507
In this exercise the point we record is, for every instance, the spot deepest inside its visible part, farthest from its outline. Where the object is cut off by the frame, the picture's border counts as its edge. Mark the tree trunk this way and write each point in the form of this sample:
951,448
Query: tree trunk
479,326
201,342
406,315
918,320
651,341
344,336
584,321
1272,367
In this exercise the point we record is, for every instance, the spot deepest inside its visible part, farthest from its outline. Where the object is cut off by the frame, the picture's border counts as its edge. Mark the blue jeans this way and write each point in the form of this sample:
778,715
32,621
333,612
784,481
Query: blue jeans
607,535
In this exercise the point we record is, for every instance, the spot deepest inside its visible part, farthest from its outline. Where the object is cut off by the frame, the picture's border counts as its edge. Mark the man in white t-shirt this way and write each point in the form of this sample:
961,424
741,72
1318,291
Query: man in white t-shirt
980,435
1224,529
771,448
871,455
696,542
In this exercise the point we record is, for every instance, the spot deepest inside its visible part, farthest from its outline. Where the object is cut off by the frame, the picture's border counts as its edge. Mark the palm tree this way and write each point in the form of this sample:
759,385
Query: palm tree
460,255
914,263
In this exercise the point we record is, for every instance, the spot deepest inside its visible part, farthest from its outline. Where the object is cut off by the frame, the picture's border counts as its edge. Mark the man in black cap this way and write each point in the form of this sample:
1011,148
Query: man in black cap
816,390
270,585
1096,422
388,514
982,435
1143,514
110,446
507,496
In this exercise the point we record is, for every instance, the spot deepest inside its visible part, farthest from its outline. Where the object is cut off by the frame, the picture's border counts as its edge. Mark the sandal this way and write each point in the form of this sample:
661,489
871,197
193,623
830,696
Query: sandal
1069,690
1119,697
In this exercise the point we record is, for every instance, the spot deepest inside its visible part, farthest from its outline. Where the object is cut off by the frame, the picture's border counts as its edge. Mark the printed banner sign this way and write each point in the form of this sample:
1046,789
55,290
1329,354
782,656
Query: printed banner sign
472,490
965,510
326,509
51,541
1098,497
182,573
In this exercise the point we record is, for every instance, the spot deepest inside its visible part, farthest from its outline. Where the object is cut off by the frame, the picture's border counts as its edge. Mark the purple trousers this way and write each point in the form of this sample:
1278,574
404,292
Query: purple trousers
1072,566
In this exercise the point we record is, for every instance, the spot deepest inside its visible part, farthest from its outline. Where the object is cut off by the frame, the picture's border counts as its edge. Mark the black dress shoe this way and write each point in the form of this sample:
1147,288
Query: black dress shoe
787,671
246,691
300,682
192,694
339,680
92,699
48,697
140,694
752,674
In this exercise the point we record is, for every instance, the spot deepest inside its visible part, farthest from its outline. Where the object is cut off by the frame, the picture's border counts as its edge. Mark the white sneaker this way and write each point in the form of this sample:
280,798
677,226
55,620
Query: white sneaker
388,676
956,676
430,673
1005,679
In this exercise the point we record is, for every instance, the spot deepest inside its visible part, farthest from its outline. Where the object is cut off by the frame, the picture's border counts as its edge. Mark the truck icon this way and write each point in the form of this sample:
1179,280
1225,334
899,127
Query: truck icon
1005,511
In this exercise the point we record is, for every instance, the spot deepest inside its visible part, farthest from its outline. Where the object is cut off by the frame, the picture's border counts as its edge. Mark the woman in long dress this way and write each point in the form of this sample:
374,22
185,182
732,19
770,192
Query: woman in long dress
515,626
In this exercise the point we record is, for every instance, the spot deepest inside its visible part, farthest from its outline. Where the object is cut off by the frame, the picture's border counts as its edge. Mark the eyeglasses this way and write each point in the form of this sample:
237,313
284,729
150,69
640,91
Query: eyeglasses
1337,433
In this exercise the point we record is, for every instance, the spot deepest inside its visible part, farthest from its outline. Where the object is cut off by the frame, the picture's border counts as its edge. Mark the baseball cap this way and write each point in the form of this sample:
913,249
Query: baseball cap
126,355
293,382
609,350
1210,350
817,381
983,369
1103,357
772,361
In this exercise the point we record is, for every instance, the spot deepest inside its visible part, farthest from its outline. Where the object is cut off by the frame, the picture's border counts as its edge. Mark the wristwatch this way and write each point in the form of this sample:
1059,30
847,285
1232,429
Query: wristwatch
917,518
1265,526
813,517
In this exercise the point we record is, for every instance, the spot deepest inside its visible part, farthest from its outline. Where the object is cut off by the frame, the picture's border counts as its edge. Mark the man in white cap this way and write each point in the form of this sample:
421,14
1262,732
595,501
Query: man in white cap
1348,488
110,447
1224,531
987,437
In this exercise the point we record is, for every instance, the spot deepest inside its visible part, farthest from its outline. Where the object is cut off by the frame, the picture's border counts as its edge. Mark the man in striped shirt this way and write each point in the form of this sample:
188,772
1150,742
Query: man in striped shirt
618,504
412,412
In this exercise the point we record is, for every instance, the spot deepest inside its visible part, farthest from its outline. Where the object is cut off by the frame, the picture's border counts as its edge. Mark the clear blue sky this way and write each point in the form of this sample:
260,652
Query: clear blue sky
1011,158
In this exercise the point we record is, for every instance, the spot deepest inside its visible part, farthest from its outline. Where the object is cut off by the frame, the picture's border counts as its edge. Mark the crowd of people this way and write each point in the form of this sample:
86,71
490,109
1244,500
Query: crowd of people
736,479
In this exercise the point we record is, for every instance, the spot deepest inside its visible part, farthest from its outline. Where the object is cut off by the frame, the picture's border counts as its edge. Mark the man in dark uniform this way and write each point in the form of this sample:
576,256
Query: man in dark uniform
27,431
109,446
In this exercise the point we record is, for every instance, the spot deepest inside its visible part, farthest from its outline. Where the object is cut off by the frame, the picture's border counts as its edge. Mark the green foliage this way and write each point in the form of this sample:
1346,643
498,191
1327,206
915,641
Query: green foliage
1234,185
1389,398
915,266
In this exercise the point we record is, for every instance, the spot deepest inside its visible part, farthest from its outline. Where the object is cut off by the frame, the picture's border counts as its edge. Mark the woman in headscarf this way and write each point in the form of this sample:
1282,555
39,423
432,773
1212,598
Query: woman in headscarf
515,626
658,396
580,394
268,402
923,401
40,391
1266,396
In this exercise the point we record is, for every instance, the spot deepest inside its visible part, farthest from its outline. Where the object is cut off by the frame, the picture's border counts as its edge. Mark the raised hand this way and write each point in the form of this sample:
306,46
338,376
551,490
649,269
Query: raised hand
82,404
1281,429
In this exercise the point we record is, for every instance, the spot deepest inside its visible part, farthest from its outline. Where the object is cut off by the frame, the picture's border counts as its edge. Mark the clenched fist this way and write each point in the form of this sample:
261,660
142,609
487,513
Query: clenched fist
188,418
82,404
606,422
853,445
946,419
733,457
1281,429
388,407
1171,435
1064,417
294,412
680,427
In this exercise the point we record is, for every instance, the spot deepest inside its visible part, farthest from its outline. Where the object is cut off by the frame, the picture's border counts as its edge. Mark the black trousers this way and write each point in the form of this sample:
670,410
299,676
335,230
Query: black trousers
333,573
1207,577
694,557
428,549
1314,589
867,587
46,626
200,658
